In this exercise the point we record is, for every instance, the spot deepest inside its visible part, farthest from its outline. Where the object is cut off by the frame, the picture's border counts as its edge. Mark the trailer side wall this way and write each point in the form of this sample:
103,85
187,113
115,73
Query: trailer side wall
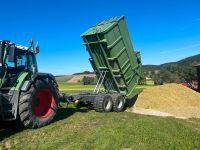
111,50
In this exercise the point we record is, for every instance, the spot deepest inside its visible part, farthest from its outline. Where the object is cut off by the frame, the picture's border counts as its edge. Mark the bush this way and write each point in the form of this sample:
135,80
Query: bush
88,80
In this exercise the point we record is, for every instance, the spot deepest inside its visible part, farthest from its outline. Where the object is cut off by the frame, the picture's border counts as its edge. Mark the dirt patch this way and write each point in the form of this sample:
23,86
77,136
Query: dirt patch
151,112
79,78
174,99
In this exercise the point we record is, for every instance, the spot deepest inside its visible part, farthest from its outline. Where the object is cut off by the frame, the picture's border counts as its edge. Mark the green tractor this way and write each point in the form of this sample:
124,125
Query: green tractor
26,96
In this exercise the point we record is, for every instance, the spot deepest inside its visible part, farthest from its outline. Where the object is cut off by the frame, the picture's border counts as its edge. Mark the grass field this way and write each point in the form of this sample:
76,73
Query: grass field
63,79
87,129
75,88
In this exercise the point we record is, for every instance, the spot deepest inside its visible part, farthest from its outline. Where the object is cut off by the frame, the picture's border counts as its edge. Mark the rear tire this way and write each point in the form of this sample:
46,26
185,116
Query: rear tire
118,103
38,105
103,103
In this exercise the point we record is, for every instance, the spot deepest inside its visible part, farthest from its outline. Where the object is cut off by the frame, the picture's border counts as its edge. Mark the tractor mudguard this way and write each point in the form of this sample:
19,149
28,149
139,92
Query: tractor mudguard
43,75
27,83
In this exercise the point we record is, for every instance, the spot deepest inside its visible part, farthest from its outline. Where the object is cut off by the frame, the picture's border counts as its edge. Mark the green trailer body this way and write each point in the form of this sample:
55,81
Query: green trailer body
111,51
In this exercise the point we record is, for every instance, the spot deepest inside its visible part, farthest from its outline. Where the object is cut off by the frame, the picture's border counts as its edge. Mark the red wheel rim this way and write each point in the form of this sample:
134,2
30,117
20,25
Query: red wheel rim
43,103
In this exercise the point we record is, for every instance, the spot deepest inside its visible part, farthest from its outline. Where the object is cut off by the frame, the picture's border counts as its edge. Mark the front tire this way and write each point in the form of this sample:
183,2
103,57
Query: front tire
38,105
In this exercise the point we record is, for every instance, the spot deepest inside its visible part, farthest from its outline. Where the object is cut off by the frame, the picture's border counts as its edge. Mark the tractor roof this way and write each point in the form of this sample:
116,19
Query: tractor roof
19,47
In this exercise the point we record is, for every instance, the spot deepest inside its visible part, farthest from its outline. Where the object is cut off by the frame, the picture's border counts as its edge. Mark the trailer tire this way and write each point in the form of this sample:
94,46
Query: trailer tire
38,105
118,103
103,103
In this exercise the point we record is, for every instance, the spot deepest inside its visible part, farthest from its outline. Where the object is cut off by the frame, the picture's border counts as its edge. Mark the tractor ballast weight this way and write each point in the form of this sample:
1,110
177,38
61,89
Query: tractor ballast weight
109,46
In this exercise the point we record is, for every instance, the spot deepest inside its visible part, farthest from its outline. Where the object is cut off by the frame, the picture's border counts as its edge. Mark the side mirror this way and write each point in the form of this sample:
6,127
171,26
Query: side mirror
37,50
32,49
11,54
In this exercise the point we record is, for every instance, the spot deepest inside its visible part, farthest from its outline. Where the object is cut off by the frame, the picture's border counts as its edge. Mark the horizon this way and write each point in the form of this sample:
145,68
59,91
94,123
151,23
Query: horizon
172,61
163,31
142,65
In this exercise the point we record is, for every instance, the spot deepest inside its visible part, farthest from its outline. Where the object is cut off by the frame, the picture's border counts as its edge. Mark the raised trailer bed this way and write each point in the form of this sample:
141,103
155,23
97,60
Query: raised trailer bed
117,66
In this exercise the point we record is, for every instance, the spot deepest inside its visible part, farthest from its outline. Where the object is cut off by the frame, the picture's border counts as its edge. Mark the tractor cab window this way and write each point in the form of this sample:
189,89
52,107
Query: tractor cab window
31,63
18,65
10,64
21,61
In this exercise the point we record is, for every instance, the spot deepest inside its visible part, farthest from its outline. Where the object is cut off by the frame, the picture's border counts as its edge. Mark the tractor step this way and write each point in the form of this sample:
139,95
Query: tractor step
8,113
5,89
7,106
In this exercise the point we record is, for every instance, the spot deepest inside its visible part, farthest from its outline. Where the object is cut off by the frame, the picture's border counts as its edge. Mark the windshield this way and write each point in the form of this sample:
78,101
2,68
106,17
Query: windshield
20,60
23,61
31,66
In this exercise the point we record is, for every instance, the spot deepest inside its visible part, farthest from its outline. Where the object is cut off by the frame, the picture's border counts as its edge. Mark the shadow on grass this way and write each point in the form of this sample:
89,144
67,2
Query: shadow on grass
9,128
131,102
64,113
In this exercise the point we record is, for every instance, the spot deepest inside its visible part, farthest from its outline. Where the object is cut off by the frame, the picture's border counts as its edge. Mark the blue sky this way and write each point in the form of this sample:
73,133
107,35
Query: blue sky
162,30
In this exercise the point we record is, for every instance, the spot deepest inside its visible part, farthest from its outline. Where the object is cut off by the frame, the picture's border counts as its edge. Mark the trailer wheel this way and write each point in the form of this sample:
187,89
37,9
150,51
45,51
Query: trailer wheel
118,103
103,103
38,105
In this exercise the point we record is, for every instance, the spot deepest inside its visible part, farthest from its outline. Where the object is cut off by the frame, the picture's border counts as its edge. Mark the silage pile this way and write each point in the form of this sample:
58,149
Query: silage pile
174,99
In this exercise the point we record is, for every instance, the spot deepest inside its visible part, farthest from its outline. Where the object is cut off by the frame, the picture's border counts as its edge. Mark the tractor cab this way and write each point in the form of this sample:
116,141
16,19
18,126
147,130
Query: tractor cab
15,59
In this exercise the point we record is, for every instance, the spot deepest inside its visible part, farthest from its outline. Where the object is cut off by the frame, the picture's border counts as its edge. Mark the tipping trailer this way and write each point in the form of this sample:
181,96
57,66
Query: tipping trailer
117,66
31,98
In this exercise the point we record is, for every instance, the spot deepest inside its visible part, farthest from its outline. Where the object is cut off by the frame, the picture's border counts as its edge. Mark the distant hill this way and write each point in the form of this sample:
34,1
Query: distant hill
189,61
63,78
83,73
79,78
180,71
75,78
